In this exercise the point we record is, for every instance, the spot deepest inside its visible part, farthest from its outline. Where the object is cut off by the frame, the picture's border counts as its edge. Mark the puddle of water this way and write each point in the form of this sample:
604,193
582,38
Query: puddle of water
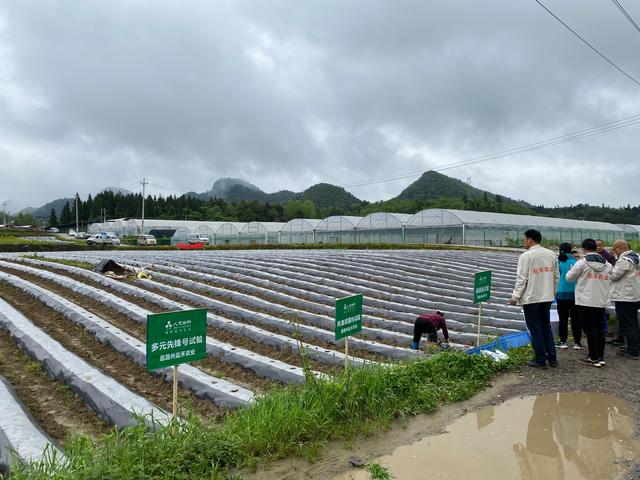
566,436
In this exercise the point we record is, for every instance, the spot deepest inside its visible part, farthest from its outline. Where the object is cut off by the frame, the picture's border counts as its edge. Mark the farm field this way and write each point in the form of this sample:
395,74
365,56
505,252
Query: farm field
72,340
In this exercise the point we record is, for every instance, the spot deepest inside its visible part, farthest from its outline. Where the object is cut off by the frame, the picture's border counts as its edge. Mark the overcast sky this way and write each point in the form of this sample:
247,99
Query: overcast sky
287,94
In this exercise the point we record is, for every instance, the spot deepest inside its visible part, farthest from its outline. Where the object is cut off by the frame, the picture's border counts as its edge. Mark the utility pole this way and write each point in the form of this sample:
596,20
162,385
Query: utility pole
77,223
144,184
4,212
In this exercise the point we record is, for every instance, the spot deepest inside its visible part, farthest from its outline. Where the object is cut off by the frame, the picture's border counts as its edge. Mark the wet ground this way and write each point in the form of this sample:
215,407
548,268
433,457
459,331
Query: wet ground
571,457
553,436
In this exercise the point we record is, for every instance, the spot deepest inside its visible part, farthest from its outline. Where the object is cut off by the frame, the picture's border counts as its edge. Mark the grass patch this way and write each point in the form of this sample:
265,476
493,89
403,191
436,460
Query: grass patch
288,420
378,472
21,240
70,263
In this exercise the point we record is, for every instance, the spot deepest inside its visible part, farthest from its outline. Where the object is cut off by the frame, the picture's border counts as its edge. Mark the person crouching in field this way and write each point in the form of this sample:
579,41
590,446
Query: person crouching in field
430,323
592,277
536,285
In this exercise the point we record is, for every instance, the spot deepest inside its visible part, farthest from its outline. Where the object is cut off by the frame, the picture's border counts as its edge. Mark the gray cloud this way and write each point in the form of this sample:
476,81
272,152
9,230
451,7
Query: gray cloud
287,94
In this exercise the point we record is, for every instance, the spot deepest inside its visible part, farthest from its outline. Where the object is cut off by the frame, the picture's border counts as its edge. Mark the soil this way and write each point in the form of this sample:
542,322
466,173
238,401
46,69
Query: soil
77,340
152,307
618,378
210,365
52,405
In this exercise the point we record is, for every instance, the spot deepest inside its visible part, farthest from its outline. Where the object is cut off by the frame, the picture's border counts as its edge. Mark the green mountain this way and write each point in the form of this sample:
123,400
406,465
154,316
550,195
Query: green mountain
44,211
432,185
331,198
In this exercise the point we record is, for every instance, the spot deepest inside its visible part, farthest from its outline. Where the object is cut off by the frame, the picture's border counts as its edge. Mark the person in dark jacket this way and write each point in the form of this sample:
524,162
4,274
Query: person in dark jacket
606,254
566,300
429,323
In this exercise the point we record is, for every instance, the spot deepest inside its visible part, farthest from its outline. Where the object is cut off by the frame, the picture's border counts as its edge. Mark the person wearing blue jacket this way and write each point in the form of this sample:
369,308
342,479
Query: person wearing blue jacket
566,302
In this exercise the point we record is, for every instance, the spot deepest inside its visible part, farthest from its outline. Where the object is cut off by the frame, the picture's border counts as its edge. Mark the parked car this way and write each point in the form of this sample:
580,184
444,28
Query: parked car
53,230
147,240
103,238
198,238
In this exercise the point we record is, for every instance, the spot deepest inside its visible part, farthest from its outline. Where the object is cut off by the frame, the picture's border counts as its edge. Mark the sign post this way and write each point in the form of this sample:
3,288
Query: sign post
481,293
348,321
174,338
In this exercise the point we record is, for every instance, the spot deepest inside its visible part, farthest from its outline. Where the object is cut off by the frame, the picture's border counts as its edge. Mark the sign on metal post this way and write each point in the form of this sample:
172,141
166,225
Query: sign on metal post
482,287
174,338
348,320
481,293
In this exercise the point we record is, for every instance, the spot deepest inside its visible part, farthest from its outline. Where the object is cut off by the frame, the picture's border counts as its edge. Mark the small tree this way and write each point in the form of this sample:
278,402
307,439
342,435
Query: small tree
53,219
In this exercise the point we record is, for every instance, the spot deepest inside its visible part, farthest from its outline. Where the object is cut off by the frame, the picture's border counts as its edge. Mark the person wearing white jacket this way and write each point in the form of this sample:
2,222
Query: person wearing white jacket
625,292
536,285
592,277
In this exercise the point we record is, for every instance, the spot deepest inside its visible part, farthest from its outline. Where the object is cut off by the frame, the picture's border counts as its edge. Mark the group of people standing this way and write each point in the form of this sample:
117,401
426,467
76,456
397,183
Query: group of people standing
583,288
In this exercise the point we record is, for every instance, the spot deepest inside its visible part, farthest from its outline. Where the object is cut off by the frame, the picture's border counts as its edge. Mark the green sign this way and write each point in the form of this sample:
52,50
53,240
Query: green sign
348,316
176,337
482,287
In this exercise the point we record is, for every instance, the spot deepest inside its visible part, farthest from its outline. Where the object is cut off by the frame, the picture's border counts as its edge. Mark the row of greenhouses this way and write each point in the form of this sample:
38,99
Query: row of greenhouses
440,226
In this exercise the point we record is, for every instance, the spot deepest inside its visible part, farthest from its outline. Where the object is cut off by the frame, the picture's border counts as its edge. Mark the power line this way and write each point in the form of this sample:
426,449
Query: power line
604,57
626,14
569,137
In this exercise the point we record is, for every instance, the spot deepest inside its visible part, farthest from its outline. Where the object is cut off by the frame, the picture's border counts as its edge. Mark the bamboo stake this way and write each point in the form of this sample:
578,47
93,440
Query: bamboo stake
346,352
175,391
479,320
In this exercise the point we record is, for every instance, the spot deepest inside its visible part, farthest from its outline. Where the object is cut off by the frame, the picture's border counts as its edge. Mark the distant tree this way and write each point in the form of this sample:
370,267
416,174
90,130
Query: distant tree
53,219
65,216
25,219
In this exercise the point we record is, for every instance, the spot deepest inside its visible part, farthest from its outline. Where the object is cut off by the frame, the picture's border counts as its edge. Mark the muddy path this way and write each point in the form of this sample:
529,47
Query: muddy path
77,340
51,403
620,379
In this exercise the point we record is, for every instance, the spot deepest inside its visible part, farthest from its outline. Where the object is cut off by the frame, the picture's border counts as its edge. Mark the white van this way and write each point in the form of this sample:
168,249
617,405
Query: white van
198,238
147,240
103,238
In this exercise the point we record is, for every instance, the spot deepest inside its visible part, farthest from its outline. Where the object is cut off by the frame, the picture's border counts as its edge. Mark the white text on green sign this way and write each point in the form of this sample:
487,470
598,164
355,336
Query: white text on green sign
176,337
482,286
348,316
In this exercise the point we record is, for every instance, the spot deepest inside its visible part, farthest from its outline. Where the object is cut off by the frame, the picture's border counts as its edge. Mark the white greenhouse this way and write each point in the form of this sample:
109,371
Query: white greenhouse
261,233
465,227
631,232
440,226
382,227
337,229
300,231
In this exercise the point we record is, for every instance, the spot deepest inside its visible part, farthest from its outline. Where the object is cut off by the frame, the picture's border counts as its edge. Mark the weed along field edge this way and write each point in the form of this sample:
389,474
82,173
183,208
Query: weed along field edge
274,380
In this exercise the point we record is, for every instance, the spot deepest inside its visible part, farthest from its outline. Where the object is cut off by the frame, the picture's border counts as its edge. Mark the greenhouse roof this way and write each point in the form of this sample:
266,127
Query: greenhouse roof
629,228
338,223
261,227
439,217
300,225
383,220
226,228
